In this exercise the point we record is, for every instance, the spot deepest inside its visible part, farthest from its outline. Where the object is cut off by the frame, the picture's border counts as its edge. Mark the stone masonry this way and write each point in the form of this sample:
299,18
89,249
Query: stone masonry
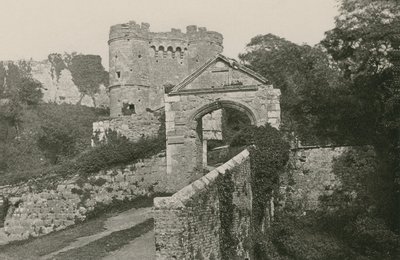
33,212
188,224
219,83
310,175
134,127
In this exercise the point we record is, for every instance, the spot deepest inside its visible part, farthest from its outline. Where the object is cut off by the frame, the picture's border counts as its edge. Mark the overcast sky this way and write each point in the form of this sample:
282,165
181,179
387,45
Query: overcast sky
35,28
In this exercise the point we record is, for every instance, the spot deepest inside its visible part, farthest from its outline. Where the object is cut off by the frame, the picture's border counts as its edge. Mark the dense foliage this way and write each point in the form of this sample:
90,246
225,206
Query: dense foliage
117,151
307,79
343,91
49,134
65,130
269,154
88,73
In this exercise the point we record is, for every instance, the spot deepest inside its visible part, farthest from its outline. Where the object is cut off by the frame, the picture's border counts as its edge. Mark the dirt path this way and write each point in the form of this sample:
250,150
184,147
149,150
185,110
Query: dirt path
142,248
125,235
122,221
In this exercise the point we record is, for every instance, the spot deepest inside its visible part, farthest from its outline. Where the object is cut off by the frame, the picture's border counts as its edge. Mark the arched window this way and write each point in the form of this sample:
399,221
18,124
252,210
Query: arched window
170,52
161,50
179,52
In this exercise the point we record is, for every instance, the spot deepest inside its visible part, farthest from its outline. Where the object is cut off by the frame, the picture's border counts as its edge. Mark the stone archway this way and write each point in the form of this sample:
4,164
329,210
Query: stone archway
219,83
225,104
195,122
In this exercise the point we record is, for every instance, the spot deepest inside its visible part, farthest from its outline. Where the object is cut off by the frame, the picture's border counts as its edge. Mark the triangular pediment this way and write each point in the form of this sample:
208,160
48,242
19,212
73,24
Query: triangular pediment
220,73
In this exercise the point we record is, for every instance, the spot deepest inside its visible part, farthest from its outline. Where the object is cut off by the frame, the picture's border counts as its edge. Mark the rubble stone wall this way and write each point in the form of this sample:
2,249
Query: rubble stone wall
34,211
188,224
133,127
310,175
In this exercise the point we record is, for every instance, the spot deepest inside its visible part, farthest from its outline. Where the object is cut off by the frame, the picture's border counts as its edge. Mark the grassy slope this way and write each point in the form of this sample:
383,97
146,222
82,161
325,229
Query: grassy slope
22,158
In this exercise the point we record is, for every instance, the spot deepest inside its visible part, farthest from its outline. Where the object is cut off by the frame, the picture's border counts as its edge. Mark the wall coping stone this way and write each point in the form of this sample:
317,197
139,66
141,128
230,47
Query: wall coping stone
181,198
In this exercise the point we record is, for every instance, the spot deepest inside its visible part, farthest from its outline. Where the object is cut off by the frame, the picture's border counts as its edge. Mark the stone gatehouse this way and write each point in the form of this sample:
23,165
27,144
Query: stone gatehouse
186,76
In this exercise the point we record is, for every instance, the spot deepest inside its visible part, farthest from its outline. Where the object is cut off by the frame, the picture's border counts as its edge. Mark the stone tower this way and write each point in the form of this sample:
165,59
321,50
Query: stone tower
143,62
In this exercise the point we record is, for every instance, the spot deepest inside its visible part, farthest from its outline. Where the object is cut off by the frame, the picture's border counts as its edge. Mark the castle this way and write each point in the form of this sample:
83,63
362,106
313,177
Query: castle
185,76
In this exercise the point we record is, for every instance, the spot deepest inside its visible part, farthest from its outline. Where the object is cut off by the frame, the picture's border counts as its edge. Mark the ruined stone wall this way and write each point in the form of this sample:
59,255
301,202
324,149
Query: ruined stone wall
35,211
134,127
310,175
188,224
62,90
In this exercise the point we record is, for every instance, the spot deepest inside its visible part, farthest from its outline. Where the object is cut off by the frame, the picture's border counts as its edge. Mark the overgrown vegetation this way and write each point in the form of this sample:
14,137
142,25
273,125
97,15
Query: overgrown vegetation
269,153
225,195
342,91
48,135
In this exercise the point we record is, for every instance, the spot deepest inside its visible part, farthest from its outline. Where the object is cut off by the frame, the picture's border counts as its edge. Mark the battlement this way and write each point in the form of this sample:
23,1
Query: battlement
142,31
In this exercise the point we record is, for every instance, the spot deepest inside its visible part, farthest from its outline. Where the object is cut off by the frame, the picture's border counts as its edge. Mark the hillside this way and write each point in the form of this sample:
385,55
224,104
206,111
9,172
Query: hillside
46,111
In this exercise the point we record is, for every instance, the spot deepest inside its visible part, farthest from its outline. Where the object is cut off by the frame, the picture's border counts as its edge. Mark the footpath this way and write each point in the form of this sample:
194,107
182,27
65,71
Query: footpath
126,235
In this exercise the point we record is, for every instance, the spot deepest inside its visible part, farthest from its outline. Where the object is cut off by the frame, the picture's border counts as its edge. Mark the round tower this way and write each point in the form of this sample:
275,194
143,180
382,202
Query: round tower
143,62
129,74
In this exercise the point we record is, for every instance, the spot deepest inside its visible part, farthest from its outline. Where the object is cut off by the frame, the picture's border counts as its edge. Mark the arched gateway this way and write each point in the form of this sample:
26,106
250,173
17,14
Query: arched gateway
219,83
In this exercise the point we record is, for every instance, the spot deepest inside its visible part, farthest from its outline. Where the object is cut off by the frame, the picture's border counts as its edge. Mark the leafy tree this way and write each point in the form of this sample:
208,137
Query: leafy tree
307,79
88,73
362,43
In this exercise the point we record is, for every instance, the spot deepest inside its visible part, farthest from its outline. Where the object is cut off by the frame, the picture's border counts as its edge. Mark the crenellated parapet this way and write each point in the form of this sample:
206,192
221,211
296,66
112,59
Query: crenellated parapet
132,30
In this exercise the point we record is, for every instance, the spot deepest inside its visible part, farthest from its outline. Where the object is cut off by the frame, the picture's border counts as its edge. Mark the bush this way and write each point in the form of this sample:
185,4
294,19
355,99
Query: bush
56,138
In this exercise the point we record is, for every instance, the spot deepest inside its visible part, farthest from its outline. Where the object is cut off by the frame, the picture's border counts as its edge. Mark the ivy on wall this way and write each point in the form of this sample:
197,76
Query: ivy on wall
225,196
269,153
57,65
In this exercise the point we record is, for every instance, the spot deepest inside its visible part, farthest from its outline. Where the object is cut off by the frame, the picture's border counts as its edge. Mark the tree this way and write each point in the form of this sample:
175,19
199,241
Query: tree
308,79
362,43
88,73
17,91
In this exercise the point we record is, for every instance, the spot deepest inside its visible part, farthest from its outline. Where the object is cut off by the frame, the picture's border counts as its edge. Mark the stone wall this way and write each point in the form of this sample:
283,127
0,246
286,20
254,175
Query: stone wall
134,127
188,224
35,211
310,175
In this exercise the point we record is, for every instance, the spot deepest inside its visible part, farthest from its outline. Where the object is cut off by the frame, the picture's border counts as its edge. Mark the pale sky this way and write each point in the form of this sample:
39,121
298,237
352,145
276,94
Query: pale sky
35,28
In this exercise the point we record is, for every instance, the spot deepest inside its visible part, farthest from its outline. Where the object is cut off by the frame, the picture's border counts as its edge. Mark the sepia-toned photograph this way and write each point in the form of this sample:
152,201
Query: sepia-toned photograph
200,130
